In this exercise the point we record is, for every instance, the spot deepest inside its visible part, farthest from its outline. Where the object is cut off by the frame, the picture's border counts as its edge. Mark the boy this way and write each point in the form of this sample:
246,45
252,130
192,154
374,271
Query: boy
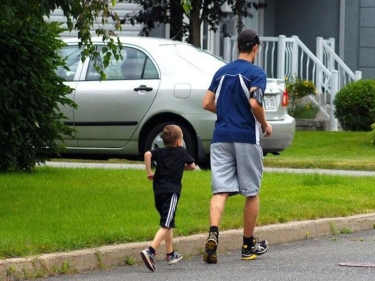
171,161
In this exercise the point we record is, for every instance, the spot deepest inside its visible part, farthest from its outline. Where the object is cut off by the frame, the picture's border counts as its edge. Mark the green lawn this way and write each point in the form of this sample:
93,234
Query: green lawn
328,150
61,209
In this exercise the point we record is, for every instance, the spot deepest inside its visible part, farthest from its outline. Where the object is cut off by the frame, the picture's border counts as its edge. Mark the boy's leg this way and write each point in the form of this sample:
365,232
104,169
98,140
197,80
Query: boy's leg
169,241
166,205
172,256
160,235
148,254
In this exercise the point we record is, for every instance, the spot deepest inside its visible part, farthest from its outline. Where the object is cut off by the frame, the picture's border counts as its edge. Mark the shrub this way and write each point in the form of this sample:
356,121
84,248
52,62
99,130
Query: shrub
305,111
297,89
30,121
372,134
355,105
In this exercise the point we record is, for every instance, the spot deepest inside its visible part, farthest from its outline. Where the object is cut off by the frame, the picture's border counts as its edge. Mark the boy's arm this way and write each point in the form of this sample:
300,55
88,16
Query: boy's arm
147,157
189,166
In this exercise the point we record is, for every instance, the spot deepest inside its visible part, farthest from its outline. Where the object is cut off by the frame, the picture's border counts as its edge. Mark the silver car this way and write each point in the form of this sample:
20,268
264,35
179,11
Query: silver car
158,82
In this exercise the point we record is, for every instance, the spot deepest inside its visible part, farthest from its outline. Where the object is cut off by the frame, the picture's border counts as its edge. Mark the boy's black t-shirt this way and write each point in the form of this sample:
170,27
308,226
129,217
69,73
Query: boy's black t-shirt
170,162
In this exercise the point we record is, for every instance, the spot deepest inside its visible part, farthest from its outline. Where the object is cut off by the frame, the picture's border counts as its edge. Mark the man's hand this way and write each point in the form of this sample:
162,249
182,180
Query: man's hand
267,130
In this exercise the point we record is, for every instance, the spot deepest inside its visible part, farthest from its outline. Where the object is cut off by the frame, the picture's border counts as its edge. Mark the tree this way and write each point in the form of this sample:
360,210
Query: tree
156,12
30,91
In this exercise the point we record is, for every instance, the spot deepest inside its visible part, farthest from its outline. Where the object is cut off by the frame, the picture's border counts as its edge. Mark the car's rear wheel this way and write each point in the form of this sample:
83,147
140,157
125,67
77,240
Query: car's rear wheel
153,139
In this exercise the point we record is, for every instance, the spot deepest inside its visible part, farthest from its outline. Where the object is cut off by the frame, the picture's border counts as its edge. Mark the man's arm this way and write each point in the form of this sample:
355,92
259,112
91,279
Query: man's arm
209,102
260,114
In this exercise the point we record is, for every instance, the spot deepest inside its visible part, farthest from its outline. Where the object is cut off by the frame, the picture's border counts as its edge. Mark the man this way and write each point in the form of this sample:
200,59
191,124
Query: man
236,96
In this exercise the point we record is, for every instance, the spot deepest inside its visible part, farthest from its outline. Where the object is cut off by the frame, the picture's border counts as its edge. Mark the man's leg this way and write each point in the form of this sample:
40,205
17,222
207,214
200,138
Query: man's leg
250,215
251,247
217,206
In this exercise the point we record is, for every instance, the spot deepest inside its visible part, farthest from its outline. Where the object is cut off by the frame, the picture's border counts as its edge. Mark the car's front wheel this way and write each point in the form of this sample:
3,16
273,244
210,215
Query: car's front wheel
154,140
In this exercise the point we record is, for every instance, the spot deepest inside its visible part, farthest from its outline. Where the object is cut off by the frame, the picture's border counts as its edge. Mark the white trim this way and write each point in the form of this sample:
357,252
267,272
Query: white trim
342,30
261,22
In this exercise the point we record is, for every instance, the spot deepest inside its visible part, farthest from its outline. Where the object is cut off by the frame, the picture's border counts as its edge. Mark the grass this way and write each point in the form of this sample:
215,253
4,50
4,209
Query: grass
61,209
327,150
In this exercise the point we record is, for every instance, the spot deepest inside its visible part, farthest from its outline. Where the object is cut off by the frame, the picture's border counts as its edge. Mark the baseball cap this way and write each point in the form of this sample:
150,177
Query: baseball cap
248,37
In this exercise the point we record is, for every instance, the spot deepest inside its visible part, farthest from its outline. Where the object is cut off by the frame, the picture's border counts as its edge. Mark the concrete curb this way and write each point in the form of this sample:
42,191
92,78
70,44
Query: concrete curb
108,257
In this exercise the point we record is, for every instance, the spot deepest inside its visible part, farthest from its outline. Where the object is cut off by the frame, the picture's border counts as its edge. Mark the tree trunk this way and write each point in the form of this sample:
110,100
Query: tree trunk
195,23
176,16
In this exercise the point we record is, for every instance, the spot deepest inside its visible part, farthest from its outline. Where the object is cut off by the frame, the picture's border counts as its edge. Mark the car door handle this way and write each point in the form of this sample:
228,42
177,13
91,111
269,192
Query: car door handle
143,88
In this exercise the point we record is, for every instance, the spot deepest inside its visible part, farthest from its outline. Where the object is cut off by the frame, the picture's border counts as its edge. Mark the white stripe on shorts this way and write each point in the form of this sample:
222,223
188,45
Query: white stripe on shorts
172,208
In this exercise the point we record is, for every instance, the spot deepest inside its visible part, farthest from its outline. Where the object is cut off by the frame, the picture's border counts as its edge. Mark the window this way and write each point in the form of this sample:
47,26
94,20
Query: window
72,57
134,65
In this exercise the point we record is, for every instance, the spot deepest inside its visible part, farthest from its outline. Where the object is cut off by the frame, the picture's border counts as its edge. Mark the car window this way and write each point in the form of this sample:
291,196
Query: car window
134,65
150,71
72,56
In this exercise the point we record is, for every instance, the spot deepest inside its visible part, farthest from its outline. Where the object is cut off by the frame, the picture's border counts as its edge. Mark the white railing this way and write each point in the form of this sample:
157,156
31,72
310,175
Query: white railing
326,54
283,57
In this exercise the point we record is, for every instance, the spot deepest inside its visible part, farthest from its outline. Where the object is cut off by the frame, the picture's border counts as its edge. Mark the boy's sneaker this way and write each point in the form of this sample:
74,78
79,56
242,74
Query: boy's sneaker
259,248
210,255
149,259
175,257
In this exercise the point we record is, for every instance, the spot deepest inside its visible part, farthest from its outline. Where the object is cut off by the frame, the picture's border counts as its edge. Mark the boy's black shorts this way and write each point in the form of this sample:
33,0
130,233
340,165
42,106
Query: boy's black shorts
166,204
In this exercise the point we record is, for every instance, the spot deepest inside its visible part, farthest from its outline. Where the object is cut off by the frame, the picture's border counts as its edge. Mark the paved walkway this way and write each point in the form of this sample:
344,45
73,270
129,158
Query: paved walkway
107,257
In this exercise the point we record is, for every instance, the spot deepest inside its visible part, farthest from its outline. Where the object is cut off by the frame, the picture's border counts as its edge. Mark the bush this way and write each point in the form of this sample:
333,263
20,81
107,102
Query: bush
297,89
305,111
30,121
372,134
355,105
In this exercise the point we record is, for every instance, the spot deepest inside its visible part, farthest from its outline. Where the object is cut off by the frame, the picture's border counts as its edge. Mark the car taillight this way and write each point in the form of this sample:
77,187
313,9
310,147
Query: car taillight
285,99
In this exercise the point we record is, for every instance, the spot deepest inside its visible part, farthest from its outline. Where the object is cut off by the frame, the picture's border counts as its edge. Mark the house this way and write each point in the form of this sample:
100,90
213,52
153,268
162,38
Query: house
350,22
330,42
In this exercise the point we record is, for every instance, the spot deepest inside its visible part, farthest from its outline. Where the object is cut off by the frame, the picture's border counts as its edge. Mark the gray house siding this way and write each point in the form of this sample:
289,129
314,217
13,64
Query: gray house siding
351,37
121,8
367,38
309,19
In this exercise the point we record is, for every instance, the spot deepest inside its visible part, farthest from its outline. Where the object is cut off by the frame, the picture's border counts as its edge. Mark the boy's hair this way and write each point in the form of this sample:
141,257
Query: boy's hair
170,134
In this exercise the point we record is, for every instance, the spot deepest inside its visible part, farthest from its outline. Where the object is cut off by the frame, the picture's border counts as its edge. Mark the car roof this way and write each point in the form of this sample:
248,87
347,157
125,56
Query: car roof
145,42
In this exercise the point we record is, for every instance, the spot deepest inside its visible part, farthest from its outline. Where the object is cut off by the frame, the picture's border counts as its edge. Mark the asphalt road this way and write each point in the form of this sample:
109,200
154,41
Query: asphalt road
312,259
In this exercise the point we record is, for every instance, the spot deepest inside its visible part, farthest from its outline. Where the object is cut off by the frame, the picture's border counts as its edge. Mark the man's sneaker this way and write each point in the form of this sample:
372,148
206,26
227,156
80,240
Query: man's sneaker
210,249
259,248
149,259
175,257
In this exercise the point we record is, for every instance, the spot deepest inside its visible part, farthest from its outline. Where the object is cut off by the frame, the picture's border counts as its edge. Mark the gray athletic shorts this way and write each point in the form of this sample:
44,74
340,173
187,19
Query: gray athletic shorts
237,168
